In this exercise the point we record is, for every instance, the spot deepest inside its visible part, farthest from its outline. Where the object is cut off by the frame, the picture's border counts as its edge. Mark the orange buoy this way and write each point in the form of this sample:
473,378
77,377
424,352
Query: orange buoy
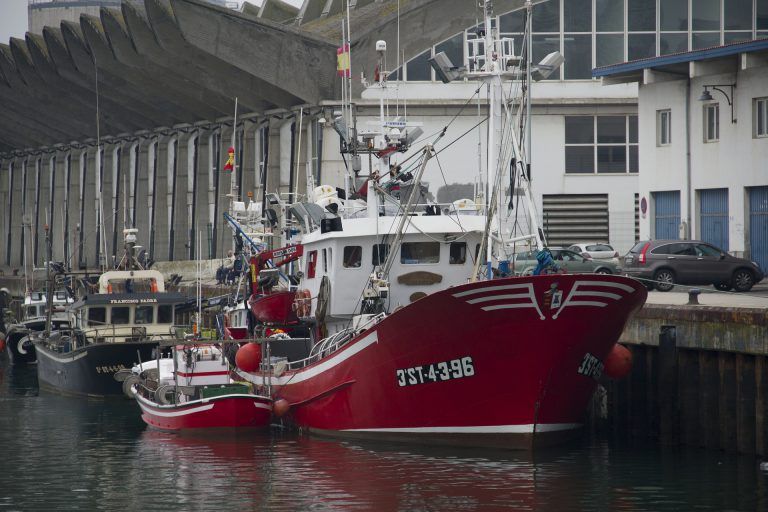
248,357
281,407
618,363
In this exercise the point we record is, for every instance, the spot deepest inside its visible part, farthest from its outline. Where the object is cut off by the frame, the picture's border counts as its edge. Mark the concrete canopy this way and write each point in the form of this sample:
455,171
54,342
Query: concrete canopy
173,63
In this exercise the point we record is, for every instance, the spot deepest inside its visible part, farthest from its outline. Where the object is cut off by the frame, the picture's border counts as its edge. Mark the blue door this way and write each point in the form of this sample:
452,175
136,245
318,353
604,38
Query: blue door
758,226
667,215
713,212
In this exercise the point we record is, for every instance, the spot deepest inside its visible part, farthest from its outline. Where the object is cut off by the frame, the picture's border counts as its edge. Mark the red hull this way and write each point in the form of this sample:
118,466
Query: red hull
229,411
274,308
501,363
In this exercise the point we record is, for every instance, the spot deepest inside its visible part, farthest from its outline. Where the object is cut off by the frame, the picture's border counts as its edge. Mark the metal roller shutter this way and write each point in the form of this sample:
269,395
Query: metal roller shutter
667,215
575,218
713,212
758,226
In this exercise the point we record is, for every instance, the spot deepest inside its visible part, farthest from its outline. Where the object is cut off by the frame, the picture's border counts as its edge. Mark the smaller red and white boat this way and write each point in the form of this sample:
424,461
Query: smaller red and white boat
193,390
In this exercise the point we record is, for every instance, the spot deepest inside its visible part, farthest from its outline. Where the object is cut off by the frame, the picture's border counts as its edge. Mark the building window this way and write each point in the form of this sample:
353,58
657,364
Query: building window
712,122
602,144
663,127
761,117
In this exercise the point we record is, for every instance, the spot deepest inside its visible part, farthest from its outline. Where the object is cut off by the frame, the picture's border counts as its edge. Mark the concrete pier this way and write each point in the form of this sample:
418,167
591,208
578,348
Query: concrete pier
699,377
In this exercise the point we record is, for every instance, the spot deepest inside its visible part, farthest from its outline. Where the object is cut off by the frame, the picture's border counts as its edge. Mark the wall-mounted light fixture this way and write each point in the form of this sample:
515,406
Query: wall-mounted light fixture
707,96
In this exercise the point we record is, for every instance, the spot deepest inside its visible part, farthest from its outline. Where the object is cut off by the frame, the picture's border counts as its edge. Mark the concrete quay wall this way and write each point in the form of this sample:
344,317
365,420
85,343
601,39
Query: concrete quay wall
700,378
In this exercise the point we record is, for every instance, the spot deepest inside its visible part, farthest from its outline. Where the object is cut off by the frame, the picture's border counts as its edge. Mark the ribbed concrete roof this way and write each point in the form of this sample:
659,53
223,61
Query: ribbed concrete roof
184,61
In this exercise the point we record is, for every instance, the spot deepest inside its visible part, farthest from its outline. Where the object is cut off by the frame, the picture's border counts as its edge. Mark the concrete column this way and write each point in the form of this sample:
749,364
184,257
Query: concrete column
142,200
189,236
38,215
57,184
152,172
101,208
24,255
248,164
228,189
118,170
68,192
161,226
214,165
172,174
88,201
8,214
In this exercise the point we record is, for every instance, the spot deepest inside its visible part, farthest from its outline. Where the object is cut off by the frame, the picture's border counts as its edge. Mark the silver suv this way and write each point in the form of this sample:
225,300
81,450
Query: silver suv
670,262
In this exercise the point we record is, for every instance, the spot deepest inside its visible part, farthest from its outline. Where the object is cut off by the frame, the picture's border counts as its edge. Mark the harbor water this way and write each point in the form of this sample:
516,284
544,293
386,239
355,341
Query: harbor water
66,453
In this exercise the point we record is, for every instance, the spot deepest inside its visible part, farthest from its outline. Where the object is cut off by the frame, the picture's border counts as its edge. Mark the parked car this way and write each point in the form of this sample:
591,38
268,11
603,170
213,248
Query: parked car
693,262
596,251
567,260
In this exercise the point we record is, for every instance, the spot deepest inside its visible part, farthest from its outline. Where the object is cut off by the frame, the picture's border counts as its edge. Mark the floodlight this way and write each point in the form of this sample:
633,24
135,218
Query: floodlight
547,66
444,68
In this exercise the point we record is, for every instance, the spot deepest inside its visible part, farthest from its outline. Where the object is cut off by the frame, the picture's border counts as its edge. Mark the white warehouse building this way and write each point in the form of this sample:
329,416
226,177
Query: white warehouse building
704,138
592,161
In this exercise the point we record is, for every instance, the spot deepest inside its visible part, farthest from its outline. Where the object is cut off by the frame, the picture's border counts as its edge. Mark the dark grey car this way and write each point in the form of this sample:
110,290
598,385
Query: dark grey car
693,262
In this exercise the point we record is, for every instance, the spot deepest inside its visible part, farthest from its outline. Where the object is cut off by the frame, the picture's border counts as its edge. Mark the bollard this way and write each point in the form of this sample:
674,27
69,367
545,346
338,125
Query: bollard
693,297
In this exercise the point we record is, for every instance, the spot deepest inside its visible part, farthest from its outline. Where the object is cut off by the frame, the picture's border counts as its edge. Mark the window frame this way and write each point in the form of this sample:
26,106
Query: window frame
709,109
404,261
663,124
760,105
595,145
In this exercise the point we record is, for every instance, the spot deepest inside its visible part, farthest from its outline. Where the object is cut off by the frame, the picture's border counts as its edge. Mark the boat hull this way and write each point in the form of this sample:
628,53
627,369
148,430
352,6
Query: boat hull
89,370
509,362
237,411
274,308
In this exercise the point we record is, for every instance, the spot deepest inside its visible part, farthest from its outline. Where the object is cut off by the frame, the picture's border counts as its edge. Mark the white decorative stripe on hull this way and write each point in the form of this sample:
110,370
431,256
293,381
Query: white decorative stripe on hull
63,359
489,429
528,298
262,406
173,414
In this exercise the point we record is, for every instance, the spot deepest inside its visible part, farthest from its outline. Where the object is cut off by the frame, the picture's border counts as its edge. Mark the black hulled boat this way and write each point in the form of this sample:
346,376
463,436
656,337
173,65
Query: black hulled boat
115,328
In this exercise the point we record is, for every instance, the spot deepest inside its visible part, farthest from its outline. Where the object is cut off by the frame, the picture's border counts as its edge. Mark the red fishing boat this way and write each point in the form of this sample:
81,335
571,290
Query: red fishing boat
506,363
416,337
194,392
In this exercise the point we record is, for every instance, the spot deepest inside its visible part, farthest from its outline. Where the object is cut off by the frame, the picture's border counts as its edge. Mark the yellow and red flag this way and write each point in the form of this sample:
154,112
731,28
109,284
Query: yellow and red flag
342,61
230,165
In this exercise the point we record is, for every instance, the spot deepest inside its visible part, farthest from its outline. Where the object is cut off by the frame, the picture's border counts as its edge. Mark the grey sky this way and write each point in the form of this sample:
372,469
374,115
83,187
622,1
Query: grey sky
13,19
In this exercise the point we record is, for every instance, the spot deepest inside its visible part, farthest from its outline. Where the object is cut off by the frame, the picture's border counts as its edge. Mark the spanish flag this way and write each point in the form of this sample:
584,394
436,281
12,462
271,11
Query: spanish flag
342,61
230,165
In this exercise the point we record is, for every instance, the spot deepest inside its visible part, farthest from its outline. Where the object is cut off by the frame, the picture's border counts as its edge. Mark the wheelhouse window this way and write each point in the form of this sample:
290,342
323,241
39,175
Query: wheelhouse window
311,264
97,316
663,127
712,122
144,315
457,253
380,253
761,117
120,315
415,253
353,256
165,314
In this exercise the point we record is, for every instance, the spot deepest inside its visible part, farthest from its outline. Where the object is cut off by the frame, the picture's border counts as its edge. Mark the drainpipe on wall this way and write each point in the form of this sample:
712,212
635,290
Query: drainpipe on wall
689,192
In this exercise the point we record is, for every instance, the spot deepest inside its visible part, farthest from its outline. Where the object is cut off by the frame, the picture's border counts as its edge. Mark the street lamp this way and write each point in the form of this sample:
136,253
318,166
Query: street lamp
707,96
